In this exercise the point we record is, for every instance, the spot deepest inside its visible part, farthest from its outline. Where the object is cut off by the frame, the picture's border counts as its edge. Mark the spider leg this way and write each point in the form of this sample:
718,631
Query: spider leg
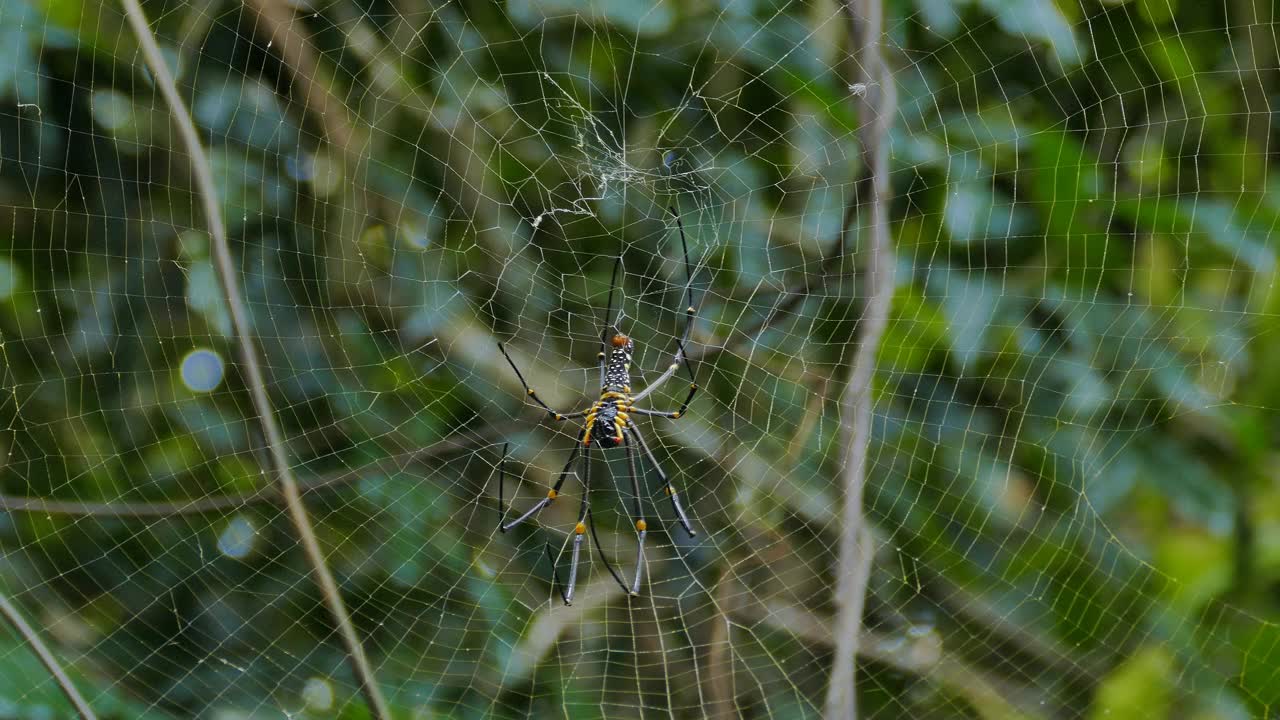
604,334
596,539
634,432
693,390
534,395
638,515
555,576
580,529
690,312
551,494
502,477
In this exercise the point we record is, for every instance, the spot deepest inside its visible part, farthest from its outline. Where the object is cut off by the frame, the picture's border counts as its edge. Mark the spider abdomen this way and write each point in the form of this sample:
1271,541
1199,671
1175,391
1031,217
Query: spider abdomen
617,370
607,420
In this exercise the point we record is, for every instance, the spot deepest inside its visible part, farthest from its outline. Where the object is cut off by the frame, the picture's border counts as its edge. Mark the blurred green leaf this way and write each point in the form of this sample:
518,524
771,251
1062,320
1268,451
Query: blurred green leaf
247,190
20,75
1142,686
205,296
97,25
247,112
1200,563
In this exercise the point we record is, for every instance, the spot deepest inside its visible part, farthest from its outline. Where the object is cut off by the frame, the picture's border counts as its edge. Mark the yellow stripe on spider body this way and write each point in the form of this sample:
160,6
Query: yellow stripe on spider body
607,421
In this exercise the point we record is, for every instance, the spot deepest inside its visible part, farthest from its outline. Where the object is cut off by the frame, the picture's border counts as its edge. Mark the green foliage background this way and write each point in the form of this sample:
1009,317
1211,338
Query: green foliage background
1074,490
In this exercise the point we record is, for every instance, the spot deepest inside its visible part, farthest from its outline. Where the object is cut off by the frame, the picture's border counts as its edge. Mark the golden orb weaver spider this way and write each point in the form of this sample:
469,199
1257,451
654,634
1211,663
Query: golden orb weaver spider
608,424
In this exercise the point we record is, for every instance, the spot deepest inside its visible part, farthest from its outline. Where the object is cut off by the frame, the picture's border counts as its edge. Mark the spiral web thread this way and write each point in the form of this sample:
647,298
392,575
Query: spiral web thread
1062,482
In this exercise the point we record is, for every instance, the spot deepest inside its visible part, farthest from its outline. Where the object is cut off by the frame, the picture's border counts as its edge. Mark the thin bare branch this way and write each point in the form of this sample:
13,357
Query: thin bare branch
224,503
720,653
922,654
20,625
253,375
280,27
853,571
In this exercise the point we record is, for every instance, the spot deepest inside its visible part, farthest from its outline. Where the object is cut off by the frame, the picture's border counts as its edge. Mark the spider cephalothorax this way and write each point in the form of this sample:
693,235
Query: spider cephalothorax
608,423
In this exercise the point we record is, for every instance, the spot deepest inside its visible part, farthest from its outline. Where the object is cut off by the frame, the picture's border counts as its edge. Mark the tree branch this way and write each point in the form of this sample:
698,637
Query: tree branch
253,375
200,506
854,565
20,625
720,695
924,655
277,22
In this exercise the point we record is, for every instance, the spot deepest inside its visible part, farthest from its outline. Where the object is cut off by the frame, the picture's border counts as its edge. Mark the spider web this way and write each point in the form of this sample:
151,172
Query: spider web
1072,485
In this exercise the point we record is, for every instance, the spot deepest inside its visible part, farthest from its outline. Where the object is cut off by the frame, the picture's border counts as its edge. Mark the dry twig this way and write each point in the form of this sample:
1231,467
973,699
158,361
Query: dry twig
253,375
225,503
855,554
20,625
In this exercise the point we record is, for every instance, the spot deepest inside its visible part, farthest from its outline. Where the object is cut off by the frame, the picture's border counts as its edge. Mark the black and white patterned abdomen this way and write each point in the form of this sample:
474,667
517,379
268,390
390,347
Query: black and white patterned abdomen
617,369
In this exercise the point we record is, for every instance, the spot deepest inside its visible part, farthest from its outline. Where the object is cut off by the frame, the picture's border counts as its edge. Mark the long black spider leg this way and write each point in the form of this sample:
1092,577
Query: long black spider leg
693,390
690,312
600,550
604,334
666,482
555,576
502,512
595,539
581,528
502,477
551,494
688,273
534,395
642,528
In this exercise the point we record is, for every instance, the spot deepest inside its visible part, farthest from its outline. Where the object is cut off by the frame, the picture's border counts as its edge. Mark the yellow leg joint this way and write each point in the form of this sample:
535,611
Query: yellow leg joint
551,494
642,525
580,528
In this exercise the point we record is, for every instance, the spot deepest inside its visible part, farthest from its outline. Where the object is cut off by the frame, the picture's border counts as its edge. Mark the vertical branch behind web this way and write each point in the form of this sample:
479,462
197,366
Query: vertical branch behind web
20,625
877,98
254,378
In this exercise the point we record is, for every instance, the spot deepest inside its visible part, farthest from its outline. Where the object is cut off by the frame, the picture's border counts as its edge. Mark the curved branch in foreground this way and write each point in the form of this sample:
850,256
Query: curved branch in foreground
253,375
856,543
20,625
